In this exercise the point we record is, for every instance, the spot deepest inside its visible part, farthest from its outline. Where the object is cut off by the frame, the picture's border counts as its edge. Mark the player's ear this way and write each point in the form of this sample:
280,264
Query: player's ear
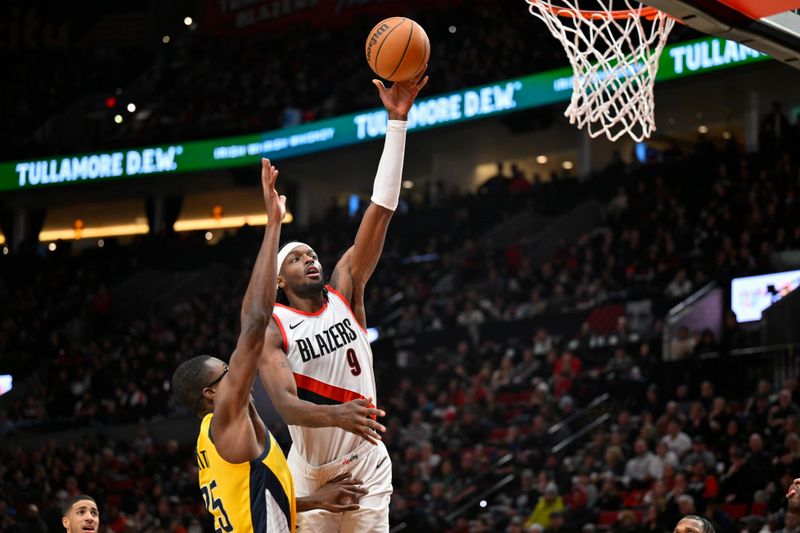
281,282
209,393
65,522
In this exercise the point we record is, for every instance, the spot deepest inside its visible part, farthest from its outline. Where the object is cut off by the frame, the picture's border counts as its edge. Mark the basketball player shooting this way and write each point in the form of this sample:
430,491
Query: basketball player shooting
317,352
243,474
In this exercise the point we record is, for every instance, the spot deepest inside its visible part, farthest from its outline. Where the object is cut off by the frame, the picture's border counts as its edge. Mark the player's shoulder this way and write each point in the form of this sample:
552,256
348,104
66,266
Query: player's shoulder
276,331
281,313
335,295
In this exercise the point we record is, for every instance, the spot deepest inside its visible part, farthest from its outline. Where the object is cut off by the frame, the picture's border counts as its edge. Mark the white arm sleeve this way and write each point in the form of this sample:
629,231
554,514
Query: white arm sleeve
386,189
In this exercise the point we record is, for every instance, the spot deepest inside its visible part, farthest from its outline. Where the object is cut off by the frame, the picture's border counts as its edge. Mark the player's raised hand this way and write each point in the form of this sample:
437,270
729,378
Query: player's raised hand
358,417
339,495
399,98
274,202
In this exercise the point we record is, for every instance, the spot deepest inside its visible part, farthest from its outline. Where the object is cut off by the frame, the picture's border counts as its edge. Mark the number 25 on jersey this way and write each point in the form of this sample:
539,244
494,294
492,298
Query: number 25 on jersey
222,523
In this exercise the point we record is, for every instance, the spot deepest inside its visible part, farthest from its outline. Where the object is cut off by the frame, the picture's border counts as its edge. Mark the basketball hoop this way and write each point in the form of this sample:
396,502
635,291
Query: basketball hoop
614,55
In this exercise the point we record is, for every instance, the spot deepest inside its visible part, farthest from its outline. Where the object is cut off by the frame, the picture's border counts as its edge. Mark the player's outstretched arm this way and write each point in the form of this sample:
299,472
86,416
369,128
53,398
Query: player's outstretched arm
357,416
233,432
357,265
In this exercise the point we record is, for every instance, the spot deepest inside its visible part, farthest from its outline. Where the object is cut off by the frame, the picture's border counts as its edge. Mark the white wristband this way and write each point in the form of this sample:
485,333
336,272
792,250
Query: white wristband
386,189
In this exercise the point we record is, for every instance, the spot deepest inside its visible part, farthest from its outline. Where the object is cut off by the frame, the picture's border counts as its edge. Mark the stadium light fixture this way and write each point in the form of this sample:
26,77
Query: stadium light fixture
199,224
567,165
408,184
187,21
131,107
94,232
541,159
702,129
165,39
118,119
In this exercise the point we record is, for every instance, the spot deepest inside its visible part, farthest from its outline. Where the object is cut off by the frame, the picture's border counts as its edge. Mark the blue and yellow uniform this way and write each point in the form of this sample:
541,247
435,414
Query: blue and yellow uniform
254,497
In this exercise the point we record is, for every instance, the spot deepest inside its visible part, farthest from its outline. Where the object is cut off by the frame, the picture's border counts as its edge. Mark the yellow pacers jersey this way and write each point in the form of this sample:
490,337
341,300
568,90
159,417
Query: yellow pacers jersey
254,497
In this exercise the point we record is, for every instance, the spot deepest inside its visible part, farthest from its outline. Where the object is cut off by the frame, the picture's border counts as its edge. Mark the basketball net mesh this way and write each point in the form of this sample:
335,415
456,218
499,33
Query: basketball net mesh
614,62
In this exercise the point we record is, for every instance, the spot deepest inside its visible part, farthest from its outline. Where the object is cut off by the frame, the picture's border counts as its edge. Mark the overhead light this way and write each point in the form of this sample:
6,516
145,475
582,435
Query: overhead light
165,39
198,224
726,135
702,129
483,504
541,159
51,247
209,235
118,119
94,232
101,243
5,250
567,165
408,184
131,107
451,29
188,21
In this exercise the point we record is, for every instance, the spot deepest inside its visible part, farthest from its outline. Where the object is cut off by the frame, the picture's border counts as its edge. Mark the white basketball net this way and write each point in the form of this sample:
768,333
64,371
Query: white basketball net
614,63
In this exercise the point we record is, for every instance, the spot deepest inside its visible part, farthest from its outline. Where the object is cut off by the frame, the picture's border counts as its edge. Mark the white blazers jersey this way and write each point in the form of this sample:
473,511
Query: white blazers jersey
331,360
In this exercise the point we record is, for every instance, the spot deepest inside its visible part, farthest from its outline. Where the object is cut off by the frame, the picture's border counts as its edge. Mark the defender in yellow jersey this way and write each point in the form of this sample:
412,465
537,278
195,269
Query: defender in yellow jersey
254,496
243,474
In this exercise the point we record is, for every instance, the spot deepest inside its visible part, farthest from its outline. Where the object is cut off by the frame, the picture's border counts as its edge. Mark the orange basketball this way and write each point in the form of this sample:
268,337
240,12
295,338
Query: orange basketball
397,49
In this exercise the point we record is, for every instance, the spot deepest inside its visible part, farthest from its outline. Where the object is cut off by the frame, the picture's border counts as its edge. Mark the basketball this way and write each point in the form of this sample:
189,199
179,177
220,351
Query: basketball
397,49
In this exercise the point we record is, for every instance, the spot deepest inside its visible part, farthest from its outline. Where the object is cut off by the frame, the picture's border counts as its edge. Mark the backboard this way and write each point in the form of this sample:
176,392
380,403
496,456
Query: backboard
769,26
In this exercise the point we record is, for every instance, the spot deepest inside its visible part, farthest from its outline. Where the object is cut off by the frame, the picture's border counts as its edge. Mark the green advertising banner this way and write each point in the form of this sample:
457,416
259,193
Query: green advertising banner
679,60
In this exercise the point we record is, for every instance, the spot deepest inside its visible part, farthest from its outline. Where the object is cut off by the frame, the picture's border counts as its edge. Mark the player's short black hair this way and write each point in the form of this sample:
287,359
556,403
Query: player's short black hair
67,507
188,382
707,527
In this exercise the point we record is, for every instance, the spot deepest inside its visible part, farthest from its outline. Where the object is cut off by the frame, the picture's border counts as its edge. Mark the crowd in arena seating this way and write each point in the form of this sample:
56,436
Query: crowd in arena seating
483,410
140,485
664,454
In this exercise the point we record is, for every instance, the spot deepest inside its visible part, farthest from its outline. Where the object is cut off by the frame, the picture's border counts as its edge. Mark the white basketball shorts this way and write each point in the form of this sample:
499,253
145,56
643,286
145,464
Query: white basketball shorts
368,463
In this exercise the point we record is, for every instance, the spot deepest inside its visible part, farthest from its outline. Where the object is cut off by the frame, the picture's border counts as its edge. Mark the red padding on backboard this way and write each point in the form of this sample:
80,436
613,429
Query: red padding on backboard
756,9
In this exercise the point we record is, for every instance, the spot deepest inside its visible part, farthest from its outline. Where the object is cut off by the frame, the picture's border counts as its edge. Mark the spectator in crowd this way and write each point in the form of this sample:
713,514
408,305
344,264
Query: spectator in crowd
680,287
699,452
676,440
550,502
643,467
683,344
707,343
782,410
